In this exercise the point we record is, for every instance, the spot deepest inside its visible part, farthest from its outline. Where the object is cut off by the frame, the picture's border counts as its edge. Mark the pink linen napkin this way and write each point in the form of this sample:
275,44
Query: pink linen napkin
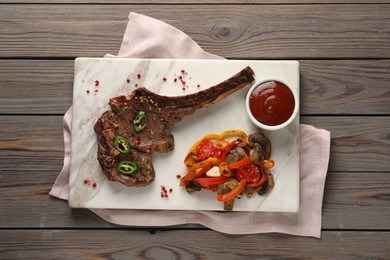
146,37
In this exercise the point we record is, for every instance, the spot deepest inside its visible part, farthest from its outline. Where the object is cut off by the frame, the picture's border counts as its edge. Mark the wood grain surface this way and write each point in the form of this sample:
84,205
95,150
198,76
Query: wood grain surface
343,47
264,32
183,2
178,244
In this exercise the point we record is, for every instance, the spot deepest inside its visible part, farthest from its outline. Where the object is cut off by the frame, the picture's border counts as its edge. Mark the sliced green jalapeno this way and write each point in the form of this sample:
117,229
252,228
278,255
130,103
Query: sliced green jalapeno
121,144
127,167
140,122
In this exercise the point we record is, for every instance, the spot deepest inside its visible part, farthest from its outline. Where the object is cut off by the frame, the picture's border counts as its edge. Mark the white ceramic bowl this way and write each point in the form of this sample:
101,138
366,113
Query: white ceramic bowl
271,127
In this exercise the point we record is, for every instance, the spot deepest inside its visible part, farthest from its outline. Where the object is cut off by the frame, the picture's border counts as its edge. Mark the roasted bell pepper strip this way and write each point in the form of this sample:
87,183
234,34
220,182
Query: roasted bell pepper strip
221,144
227,149
188,177
140,121
201,172
127,167
193,164
211,181
121,144
240,163
232,194
234,132
212,136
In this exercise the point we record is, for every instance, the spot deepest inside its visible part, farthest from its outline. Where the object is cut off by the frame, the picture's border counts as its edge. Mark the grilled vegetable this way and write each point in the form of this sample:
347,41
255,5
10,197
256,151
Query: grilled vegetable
140,122
127,167
121,144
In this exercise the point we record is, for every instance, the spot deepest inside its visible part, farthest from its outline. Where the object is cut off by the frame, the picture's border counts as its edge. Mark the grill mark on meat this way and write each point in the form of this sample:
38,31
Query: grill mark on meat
162,112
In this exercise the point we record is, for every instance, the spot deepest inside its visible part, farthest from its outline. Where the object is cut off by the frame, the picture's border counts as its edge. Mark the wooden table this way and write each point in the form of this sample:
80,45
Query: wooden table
343,47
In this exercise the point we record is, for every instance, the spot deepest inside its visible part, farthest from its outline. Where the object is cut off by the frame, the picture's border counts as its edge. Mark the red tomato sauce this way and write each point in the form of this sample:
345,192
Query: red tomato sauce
272,103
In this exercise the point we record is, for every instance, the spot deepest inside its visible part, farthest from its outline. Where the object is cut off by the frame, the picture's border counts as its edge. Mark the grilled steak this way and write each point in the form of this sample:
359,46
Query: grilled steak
155,114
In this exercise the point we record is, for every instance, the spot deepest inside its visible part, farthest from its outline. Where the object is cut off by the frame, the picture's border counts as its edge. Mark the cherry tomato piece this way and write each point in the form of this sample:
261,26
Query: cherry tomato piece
206,149
250,173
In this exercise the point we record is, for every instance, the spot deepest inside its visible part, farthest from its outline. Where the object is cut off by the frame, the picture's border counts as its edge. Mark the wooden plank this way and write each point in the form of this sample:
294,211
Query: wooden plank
35,86
45,87
130,244
26,202
358,143
353,87
264,32
350,199
31,157
196,2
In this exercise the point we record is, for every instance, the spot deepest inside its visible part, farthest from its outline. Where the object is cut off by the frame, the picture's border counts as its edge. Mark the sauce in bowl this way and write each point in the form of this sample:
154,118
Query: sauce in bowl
272,103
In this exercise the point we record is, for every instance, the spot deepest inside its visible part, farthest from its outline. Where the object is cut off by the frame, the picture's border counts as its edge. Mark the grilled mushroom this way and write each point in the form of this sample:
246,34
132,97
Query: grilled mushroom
264,142
235,155
268,185
255,153
192,186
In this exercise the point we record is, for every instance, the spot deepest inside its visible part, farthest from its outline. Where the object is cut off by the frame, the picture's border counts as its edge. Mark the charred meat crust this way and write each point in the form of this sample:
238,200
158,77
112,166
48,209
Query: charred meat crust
162,111
175,108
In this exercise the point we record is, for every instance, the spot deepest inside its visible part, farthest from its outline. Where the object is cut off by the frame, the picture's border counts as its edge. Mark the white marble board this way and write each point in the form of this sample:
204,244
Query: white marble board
117,76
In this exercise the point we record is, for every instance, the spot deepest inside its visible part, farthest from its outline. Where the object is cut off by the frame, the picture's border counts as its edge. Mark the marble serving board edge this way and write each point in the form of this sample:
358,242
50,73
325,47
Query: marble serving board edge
96,80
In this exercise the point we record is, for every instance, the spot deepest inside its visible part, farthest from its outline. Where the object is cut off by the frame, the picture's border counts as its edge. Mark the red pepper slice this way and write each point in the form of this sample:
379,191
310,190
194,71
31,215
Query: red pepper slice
192,162
188,177
221,144
212,180
194,174
234,193
202,171
227,149
240,163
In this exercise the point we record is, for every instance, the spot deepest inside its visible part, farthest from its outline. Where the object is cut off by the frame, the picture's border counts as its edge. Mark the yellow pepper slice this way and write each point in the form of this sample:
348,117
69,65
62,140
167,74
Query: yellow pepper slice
193,164
233,132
